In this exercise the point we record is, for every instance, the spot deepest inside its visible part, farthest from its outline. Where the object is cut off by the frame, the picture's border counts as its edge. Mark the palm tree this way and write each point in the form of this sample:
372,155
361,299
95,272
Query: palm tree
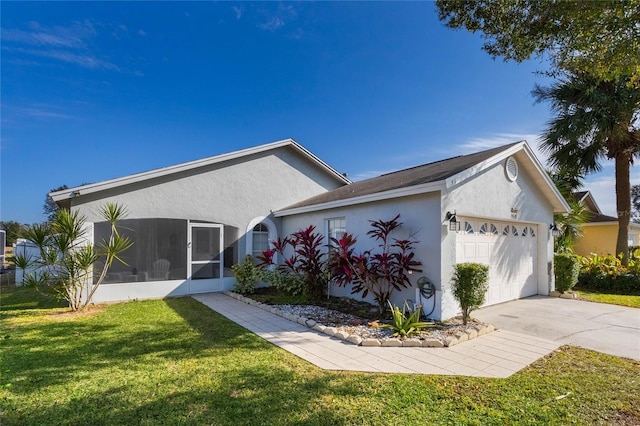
595,120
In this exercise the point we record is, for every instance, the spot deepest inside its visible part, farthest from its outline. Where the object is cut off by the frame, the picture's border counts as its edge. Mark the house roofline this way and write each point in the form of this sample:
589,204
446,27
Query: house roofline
632,225
60,196
368,198
559,206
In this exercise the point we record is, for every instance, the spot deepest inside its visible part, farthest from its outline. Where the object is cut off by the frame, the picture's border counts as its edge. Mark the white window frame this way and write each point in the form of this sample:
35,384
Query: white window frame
271,227
331,234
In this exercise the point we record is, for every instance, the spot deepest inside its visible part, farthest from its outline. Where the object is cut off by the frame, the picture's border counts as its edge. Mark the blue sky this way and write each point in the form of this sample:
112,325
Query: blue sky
93,91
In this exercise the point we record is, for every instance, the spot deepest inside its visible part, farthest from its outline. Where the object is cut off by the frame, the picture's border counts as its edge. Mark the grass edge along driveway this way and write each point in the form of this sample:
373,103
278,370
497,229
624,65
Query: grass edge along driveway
175,361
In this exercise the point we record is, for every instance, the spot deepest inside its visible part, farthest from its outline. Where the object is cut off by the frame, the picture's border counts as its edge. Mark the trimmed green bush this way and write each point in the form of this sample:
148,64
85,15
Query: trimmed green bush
615,284
288,282
470,285
247,275
566,269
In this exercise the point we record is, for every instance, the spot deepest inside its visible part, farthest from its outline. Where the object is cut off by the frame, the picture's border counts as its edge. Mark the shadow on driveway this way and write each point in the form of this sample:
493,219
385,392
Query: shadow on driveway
602,327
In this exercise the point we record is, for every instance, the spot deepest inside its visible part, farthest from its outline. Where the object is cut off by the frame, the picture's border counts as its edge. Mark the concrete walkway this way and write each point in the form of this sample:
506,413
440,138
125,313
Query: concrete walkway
602,327
498,354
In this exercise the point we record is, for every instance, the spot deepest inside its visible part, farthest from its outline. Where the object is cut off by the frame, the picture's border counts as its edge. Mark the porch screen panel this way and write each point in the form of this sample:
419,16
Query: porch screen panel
159,250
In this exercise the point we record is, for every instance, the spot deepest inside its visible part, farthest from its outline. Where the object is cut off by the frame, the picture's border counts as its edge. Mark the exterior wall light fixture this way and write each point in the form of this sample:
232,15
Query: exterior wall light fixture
454,223
555,231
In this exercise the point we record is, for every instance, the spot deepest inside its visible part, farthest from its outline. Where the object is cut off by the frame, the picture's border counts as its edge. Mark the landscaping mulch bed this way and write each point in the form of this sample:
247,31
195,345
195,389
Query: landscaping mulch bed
357,317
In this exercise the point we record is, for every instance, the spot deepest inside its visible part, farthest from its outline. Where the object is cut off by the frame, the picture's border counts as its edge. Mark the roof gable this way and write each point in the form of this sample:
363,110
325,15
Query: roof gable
60,196
586,199
430,177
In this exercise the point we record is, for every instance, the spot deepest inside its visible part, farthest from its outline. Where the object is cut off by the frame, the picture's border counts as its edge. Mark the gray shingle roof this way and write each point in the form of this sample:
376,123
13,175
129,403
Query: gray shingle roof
426,173
598,218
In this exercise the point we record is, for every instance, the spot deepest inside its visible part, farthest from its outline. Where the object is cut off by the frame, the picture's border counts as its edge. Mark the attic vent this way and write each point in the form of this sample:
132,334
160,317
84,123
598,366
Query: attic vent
511,169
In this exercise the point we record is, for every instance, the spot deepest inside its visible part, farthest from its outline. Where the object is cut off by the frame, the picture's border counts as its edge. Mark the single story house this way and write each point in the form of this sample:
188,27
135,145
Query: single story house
192,221
600,232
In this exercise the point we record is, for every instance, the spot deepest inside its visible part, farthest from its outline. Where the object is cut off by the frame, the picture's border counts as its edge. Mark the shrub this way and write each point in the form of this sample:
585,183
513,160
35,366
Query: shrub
308,261
402,324
247,275
377,273
618,284
607,274
470,284
287,282
566,270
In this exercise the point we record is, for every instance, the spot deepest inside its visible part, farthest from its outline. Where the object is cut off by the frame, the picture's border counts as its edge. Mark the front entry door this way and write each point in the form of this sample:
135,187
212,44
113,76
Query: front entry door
205,257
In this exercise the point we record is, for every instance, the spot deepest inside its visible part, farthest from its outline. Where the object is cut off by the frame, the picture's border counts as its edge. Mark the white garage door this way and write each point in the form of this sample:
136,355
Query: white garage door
510,250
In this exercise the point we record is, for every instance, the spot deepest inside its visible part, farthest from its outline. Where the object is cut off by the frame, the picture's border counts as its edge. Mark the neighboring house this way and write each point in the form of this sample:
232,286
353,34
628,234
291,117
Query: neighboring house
203,216
600,232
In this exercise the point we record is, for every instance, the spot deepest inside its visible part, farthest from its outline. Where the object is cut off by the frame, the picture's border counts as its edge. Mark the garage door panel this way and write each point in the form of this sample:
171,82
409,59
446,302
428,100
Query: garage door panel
510,250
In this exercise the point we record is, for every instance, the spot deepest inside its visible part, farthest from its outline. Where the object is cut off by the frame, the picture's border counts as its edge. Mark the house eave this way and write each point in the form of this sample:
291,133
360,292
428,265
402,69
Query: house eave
369,198
632,225
66,194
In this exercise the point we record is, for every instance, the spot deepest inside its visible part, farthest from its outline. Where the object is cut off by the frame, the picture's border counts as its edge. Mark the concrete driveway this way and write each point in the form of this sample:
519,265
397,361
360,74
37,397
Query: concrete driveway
604,328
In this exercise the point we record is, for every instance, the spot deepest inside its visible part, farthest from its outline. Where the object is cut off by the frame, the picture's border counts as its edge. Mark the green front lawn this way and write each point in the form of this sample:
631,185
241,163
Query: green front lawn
632,301
177,362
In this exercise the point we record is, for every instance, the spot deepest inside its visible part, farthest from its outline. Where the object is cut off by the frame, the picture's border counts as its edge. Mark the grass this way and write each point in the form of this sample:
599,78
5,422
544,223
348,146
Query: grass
176,362
632,301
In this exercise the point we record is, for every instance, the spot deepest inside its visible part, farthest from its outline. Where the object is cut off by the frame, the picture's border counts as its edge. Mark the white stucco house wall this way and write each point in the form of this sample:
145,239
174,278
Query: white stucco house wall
191,222
203,216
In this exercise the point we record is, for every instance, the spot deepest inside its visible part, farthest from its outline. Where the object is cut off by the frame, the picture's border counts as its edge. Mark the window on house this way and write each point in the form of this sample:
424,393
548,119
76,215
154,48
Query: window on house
483,229
336,228
525,232
260,239
468,228
514,231
494,229
505,230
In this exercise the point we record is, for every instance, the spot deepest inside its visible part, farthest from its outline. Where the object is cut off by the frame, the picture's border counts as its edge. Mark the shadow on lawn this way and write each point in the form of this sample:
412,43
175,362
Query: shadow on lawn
55,350
138,363
266,396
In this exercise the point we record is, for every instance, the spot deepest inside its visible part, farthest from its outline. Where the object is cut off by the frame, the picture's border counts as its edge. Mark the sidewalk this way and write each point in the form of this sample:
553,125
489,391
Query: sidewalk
497,354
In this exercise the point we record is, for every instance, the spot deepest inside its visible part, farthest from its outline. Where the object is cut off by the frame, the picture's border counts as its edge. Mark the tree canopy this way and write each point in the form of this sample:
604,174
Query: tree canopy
601,37
13,229
595,120
50,208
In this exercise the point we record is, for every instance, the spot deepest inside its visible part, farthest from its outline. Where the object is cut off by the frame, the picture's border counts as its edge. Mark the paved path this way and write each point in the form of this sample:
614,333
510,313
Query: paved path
602,327
498,354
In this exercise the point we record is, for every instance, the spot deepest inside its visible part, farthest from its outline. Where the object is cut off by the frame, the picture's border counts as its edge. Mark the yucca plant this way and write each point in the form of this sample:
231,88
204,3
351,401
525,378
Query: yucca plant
67,265
405,325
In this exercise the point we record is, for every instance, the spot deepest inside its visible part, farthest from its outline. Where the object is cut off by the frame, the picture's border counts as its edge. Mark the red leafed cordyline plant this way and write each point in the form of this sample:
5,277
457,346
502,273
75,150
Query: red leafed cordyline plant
377,273
306,259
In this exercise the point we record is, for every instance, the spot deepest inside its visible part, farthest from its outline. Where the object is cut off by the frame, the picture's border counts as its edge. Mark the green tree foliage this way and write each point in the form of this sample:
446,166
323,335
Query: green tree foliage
13,229
600,37
568,181
595,120
68,264
566,268
50,208
470,285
